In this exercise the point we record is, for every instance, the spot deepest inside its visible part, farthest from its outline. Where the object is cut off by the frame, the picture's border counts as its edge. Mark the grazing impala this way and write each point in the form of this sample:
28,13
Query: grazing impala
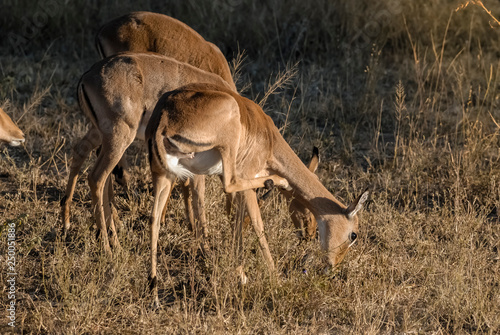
146,31
208,129
118,95
9,133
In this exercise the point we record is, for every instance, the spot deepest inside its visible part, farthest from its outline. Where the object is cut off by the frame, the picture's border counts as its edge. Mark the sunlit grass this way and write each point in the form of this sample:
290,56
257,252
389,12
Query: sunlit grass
399,97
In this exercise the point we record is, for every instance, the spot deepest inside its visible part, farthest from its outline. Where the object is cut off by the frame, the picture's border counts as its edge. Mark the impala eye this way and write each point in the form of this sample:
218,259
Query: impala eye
353,236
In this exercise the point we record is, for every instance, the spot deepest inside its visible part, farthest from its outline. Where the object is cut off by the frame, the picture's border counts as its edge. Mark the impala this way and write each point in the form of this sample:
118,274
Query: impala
118,95
9,132
153,32
208,129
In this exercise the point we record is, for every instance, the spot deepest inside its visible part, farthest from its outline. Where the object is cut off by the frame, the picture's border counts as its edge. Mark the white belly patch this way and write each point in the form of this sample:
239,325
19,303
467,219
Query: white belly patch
203,163
178,169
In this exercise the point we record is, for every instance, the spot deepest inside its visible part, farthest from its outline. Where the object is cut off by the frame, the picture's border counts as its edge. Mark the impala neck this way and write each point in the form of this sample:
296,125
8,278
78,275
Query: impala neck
307,188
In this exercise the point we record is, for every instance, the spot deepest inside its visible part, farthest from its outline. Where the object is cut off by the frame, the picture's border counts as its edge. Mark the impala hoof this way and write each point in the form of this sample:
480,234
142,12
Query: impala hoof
285,185
269,184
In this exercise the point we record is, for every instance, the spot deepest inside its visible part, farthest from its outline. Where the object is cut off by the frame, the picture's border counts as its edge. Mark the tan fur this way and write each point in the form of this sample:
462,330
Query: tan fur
205,118
9,132
118,95
153,32
303,220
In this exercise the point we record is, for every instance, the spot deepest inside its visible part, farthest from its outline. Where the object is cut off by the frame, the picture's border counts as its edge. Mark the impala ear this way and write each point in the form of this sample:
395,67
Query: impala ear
313,164
356,206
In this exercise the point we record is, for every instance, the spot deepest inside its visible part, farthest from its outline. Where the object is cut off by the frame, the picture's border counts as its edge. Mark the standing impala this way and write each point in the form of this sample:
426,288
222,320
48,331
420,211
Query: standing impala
208,129
9,132
146,31
162,34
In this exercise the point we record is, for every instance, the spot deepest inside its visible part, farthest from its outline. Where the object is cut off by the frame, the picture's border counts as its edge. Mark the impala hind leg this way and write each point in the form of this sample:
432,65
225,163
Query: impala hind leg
164,210
81,151
162,184
110,214
110,154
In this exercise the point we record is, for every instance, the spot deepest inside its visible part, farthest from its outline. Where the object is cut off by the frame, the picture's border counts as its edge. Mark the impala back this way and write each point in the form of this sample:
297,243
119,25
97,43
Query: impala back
153,32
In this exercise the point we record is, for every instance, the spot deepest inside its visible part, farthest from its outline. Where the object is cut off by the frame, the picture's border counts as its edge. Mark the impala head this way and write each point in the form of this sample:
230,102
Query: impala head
338,232
9,132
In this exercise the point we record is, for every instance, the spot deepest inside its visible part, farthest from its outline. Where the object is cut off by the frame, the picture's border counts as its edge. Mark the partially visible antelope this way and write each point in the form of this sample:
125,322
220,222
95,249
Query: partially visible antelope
153,32
208,129
9,132
118,95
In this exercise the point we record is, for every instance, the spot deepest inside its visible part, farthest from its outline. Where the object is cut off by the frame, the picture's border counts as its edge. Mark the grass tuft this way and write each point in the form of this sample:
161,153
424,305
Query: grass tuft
401,97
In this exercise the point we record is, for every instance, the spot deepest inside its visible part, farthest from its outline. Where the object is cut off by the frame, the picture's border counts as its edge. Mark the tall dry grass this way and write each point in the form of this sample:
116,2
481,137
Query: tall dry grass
401,97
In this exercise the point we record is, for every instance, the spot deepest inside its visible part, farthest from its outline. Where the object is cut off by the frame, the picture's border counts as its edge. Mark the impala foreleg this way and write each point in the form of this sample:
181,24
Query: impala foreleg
110,154
239,217
232,183
110,213
81,151
253,210
193,191
188,203
200,219
121,174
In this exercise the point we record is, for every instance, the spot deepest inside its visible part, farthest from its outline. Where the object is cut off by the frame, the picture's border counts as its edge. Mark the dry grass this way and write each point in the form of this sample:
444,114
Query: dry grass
400,97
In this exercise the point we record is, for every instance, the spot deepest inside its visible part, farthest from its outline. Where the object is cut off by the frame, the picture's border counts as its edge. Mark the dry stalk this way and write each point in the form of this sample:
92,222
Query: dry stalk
480,4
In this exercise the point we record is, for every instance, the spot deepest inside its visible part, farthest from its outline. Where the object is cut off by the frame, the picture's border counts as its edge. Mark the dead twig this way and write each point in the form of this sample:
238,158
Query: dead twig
480,4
